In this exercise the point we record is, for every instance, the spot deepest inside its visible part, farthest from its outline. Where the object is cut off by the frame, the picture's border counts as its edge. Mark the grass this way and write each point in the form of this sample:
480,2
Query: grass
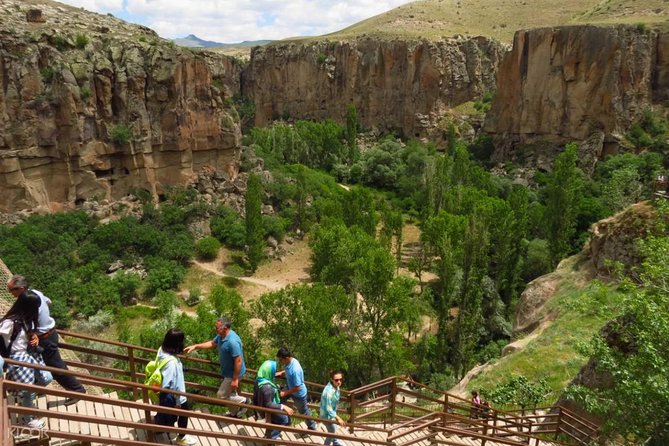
500,19
581,311
197,277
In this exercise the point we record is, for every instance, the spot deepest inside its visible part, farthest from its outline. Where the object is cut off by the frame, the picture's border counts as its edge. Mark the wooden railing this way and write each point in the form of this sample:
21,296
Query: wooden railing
393,406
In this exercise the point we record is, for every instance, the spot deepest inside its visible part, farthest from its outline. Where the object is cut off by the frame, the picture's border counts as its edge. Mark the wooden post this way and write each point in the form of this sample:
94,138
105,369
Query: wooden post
446,406
557,425
133,371
393,399
351,412
485,431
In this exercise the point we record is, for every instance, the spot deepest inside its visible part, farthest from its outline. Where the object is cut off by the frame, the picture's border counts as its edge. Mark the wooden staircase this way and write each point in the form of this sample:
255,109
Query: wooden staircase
385,413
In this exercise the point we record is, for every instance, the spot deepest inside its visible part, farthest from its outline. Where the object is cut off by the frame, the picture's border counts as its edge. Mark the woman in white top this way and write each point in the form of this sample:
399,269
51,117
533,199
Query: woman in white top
17,331
173,379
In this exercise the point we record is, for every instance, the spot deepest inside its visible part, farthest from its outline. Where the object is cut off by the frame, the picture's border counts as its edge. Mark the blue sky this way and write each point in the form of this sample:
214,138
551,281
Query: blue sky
231,21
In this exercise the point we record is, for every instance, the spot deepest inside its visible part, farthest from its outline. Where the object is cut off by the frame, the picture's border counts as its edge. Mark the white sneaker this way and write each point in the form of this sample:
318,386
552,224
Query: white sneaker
36,423
187,440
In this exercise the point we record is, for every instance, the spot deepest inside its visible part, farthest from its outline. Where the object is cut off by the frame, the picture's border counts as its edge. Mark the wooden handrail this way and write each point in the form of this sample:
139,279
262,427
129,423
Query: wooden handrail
136,356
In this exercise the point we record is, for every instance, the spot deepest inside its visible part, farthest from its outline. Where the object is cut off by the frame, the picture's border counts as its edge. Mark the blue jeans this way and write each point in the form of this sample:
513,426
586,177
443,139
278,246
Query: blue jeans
283,420
301,406
332,428
27,398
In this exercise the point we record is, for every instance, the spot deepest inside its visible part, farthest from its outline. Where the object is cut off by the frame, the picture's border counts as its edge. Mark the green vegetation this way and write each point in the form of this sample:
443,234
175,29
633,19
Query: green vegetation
254,228
633,351
81,40
207,248
85,92
48,74
120,135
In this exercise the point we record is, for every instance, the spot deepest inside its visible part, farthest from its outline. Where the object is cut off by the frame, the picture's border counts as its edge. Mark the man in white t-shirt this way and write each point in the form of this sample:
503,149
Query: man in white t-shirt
48,337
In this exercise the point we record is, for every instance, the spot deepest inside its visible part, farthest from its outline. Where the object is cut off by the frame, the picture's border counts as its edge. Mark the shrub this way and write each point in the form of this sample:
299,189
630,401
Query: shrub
85,92
48,74
120,135
81,41
61,43
537,262
207,248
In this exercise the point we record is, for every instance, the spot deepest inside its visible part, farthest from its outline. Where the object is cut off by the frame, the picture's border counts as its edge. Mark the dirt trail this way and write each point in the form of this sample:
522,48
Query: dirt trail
272,284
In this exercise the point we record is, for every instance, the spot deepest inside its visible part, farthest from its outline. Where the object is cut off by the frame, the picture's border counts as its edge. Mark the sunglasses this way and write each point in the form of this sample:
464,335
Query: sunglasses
15,288
338,380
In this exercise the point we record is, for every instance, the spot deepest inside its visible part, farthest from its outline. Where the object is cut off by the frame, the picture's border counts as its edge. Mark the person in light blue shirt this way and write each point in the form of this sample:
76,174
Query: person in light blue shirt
297,389
173,379
231,357
329,401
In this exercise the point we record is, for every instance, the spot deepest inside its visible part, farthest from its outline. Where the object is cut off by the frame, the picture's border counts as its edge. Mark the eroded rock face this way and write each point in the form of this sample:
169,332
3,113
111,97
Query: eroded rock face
574,83
616,238
395,85
91,106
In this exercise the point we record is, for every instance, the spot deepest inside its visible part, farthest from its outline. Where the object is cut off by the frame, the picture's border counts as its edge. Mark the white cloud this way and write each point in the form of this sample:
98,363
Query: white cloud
234,21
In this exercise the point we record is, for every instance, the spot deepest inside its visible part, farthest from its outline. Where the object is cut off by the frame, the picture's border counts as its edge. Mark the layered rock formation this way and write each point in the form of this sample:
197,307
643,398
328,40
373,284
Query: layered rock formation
579,83
395,85
93,107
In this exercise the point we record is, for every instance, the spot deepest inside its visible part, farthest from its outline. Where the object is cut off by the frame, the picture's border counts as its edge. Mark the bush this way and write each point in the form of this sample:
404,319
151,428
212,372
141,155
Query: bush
207,248
228,227
81,41
120,135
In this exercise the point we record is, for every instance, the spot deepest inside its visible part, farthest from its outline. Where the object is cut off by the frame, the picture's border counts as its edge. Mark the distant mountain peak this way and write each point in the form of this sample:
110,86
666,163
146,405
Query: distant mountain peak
192,41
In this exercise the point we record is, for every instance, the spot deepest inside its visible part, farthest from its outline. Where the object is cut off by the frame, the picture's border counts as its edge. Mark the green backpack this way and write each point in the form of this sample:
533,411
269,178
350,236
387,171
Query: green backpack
153,376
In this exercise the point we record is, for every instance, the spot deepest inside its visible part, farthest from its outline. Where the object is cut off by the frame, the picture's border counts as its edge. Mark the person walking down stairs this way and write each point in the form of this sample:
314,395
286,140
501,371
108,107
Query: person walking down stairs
19,343
328,407
266,394
47,336
173,379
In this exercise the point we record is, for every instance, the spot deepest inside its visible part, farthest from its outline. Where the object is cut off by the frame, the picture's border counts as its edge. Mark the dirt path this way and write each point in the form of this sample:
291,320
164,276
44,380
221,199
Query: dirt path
267,283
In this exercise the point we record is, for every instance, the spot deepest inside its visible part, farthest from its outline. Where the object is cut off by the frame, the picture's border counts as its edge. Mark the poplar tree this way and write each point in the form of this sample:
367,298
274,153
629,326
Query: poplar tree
254,229
562,197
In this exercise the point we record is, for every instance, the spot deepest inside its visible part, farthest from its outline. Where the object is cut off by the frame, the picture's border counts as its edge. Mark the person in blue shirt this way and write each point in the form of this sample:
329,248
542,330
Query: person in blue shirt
231,357
329,401
296,389
173,379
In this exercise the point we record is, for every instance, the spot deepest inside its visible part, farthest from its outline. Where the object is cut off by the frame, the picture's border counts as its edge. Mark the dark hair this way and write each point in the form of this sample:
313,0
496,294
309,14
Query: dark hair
283,353
174,341
334,372
25,309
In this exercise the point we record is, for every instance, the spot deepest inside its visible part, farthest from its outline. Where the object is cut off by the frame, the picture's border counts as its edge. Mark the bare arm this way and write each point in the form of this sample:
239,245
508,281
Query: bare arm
236,369
200,346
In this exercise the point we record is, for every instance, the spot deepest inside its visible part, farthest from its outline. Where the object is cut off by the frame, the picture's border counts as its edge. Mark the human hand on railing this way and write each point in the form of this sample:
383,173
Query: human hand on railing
341,422
287,409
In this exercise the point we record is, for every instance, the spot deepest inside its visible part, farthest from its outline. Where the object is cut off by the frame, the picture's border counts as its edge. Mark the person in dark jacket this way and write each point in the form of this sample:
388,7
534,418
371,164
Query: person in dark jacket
267,394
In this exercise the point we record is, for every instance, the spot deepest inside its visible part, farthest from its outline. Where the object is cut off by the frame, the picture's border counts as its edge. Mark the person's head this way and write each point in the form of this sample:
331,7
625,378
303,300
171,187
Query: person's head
173,342
336,378
267,370
17,285
223,325
474,393
284,355
25,309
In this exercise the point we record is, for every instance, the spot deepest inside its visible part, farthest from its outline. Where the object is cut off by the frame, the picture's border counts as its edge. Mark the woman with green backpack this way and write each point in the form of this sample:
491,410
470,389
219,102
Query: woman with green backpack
173,379
266,394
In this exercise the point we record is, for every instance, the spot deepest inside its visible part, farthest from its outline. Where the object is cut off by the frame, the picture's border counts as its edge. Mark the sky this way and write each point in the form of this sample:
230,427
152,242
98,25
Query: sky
231,21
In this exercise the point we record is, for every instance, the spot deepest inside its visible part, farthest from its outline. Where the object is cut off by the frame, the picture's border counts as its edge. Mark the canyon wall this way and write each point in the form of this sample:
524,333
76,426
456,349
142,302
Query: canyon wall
395,85
91,106
586,84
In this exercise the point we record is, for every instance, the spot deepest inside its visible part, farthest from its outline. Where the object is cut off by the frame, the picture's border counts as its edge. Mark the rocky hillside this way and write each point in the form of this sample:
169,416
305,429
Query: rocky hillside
91,106
396,85
578,83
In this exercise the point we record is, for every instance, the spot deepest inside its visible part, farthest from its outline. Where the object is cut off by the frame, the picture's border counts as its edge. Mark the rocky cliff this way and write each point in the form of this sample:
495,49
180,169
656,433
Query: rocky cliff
91,106
577,83
402,85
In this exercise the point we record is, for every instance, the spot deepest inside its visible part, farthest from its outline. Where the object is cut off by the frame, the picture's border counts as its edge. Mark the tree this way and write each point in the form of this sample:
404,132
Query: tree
312,322
254,227
632,353
207,248
352,133
563,189
520,392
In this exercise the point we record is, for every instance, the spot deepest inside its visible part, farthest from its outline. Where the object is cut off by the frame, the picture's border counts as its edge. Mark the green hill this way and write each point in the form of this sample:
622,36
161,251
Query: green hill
500,19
